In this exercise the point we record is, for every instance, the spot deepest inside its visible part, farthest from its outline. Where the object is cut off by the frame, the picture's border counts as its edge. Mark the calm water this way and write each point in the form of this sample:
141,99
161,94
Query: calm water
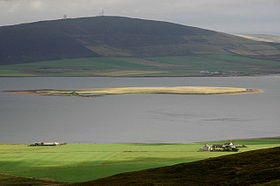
138,118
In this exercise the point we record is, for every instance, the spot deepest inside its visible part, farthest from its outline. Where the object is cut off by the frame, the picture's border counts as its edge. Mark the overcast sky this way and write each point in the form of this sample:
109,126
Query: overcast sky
232,16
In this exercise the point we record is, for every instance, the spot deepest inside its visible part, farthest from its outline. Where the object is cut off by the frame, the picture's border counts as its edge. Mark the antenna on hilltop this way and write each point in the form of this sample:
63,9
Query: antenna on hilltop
64,16
101,13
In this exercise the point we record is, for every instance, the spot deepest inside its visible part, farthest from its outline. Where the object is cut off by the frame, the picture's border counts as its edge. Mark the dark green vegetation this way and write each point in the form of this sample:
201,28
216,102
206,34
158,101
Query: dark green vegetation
84,162
248,168
192,65
15,180
119,46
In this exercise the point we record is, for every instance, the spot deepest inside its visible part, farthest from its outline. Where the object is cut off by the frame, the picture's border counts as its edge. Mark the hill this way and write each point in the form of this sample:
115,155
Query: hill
119,37
248,168
261,37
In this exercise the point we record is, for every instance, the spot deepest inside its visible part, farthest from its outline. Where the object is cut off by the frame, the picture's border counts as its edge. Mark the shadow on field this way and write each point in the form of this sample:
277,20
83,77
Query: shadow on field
248,168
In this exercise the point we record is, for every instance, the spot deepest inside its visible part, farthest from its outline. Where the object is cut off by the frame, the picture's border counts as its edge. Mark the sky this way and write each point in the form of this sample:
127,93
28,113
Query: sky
231,16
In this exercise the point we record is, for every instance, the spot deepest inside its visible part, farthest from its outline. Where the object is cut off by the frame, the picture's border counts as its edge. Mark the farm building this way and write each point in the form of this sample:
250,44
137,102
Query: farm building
45,144
217,146
228,145
221,147
225,147
206,148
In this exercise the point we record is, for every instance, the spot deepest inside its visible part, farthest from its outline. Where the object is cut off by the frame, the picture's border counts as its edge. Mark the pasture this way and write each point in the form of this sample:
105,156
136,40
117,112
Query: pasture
192,65
83,162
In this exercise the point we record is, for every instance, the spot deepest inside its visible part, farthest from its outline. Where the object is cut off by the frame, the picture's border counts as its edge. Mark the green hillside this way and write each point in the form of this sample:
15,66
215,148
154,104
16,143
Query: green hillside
191,65
261,167
121,46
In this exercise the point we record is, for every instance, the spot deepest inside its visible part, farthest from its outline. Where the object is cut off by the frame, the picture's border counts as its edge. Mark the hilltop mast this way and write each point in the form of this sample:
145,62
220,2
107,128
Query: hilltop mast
101,13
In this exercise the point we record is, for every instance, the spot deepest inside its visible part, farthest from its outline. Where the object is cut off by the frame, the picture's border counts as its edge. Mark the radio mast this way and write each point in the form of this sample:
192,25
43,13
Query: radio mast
101,13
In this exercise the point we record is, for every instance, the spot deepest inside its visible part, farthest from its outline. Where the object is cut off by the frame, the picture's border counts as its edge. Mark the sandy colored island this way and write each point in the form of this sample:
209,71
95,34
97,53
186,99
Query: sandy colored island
184,90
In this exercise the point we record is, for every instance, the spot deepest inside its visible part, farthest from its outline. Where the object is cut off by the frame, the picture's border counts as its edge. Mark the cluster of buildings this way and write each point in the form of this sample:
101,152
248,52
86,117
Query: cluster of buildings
210,73
47,144
221,147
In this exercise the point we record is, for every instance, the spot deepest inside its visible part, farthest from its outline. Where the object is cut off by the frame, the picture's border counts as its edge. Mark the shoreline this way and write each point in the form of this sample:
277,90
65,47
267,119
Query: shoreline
198,76
212,141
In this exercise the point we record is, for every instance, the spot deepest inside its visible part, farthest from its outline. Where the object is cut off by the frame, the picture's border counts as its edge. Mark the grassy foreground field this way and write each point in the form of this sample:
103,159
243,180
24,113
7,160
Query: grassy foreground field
84,162
184,90
191,65
260,167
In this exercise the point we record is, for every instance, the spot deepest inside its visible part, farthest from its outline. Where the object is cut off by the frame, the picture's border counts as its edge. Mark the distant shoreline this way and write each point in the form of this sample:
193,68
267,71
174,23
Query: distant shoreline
211,141
197,76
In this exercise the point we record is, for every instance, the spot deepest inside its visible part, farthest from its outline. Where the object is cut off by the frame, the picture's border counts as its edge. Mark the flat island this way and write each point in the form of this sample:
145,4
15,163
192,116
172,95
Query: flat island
183,90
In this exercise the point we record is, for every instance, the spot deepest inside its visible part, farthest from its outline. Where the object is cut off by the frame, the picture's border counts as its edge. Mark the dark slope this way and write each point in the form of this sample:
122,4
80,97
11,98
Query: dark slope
33,42
253,167
16,180
118,36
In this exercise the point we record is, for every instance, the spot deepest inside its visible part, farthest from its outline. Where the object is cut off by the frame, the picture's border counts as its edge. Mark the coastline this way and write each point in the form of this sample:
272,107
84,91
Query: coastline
145,76
211,141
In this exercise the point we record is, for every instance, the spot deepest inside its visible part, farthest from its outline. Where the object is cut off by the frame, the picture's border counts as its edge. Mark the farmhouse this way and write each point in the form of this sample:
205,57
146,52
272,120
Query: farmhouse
217,146
45,144
229,145
225,147
221,147
206,148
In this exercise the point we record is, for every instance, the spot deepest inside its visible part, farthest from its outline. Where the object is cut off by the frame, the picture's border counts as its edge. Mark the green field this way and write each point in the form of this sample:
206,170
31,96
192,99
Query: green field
192,65
258,167
83,162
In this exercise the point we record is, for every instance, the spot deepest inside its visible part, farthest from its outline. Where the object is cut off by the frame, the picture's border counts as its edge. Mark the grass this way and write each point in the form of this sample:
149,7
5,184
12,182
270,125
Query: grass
192,65
83,162
139,90
248,168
